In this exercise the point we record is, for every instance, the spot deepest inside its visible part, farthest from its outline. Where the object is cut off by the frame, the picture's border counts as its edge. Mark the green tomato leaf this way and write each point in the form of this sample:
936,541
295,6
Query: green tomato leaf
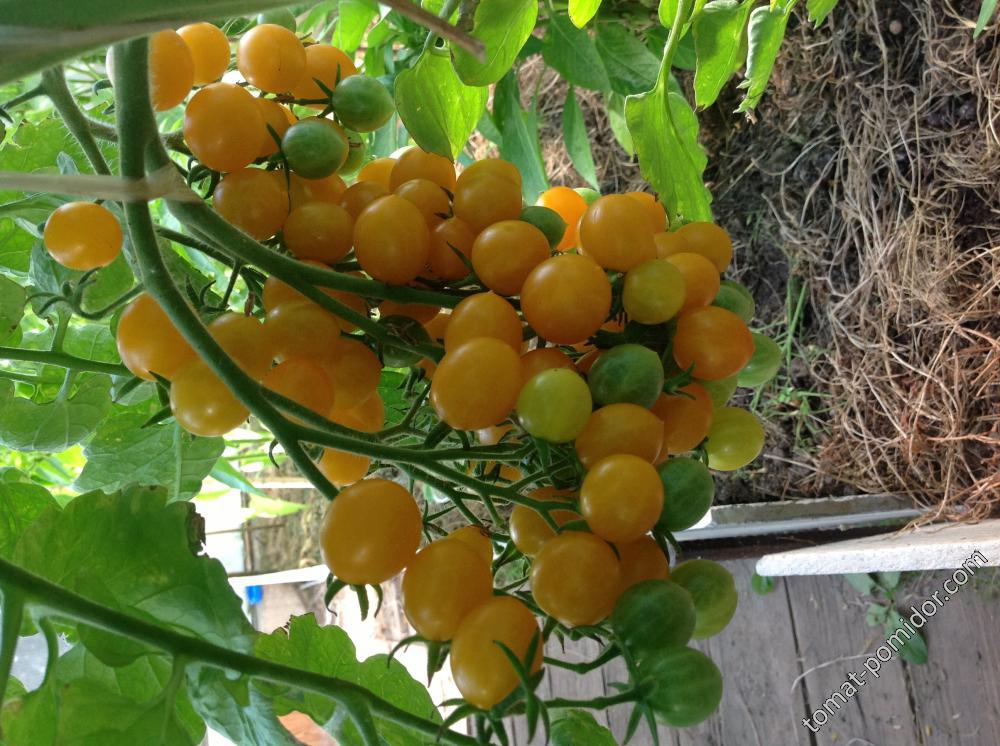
615,107
766,32
92,341
503,26
236,708
572,53
108,283
577,142
631,67
353,19
718,41
862,582
55,425
664,130
122,452
438,109
914,647
20,504
820,9
12,300
329,650
876,615
519,136
889,581
572,727
581,11
761,584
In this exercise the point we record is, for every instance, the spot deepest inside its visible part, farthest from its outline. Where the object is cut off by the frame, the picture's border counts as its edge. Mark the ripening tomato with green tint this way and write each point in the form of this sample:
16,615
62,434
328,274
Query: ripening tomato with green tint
483,315
570,206
684,685
448,237
378,171
543,358
529,530
276,117
442,585
414,163
736,298
566,298
651,615
709,240
686,416
688,492
621,497
712,343
370,532
575,579
620,428
722,390
254,200
701,279
475,538
653,292
554,405
495,167
482,672
320,231
303,191
148,342
223,126
355,371
362,103
642,560
735,439
713,591
271,58
505,253
243,338
391,240
83,236
280,16
171,69
655,211
627,373
764,363
486,198
547,221
429,198
201,402
304,382
314,148
209,50
301,330
327,64
616,233
359,196
476,384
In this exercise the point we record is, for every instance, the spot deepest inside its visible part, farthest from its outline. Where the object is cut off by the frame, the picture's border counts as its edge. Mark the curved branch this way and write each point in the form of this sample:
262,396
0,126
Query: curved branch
63,360
54,83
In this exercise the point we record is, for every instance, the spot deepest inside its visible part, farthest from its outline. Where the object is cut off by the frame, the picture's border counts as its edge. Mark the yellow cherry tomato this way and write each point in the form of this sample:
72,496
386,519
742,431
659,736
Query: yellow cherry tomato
621,497
505,253
686,417
209,49
701,279
223,126
171,69
620,428
616,233
83,236
570,206
148,342
566,298
575,578
202,404
271,58
487,198
641,560
529,531
253,200
415,163
654,292
476,384
391,240
320,231
477,539
326,64
378,171
483,315
709,240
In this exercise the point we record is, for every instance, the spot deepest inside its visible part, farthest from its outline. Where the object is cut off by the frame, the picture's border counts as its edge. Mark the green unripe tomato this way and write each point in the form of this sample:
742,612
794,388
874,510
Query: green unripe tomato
554,405
653,292
688,492
735,438
362,103
589,195
734,297
356,150
278,16
627,373
720,391
764,364
547,221
713,591
314,148
683,685
653,615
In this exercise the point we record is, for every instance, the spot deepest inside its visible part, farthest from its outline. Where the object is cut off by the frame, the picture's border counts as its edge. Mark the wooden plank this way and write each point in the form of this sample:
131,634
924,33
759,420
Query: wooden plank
833,641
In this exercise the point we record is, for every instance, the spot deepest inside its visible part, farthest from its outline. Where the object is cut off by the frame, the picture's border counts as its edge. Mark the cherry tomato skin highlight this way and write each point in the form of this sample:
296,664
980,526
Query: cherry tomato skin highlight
244,340
209,50
654,292
83,236
505,253
202,404
319,231
714,341
570,206
735,439
709,240
148,341
475,538
529,531
615,232
442,585
483,315
701,279
391,240
476,384
484,199
576,579
481,670
641,560
360,195
325,63
378,171
566,298
271,58
223,126
253,200
370,532
447,237
620,428
686,417
415,163
621,497
543,358
429,198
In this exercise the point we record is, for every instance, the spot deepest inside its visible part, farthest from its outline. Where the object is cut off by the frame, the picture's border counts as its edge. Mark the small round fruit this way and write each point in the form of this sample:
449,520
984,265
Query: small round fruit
736,298
764,363
391,240
655,211
487,198
243,338
483,315
713,591
271,58
620,428
276,117
209,49
327,64
492,166
360,195
575,579
301,329
442,585
686,417
280,16
148,342
476,384
253,200
341,467
543,358
615,231
554,405
202,404
354,370
420,312
621,497
505,253
529,531
653,292
171,69
712,343
362,103
480,667
627,373
314,148
429,198
709,240
475,538
304,382
721,391
685,686
223,126
448,237
570,206
319,231
653,615
701,279
83,236
302,191
642,560
547,221
415,163
566,298
688,492
668,244
735,439
371,532
378,171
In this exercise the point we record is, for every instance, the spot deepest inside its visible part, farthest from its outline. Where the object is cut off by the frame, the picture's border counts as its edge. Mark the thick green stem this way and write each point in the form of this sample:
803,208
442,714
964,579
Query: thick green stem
63,360
597,703
13,613
56,89
19,583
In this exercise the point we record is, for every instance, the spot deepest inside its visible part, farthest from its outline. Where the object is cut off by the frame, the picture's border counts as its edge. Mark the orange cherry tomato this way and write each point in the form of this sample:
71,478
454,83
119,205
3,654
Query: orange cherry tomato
358,196
303,191
209,49
477,539
483,315
686,416
492,166
566,298
271,58
343,468
327,64
615,232
244,340
709,240
202,404
301,330
369,414
476,384
438,326
575,579
640,560
148,341
701,279
430,199
391,240
171,69
529,531
654,210
543,358
504,254
279,118
304,382
621,497
415,163
668,244
378,171
83,236
447,237
714,341
570,207
253,200
319,231
354,370
620,428
222,126
487,198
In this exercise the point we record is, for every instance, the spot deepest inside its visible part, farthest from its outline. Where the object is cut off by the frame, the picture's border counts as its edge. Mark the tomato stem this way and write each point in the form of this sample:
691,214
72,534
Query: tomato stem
63,360
54,84
13,613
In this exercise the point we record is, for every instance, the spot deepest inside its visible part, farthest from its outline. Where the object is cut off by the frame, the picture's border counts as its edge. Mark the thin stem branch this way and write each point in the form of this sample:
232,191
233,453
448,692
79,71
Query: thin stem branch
13,613
63,360
56,89
51,647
